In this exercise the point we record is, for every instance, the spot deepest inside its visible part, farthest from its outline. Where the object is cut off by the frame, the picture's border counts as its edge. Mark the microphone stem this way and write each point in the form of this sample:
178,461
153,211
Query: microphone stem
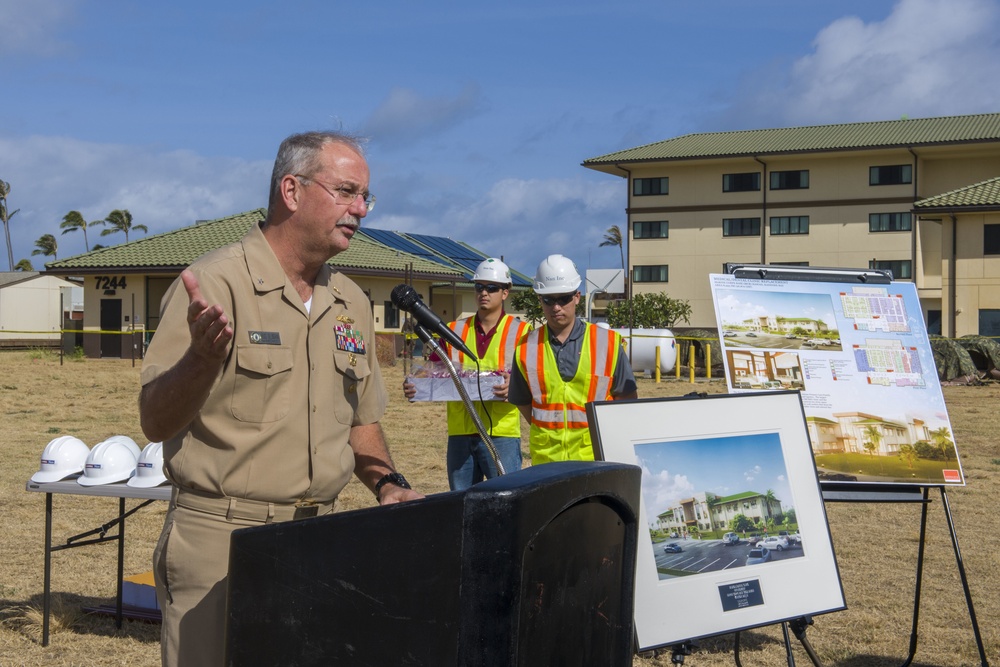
428,339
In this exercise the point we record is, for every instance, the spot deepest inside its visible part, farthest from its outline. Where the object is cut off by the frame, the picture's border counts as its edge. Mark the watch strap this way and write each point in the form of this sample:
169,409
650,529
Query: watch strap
391,478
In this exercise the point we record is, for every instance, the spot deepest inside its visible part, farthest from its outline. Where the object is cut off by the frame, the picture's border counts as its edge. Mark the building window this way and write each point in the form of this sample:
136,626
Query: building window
989,322
650,186
651,230
790,180
991,239
896,174
934,322
741,226
889,222
391,315
748,182
652,273
795,224
901,268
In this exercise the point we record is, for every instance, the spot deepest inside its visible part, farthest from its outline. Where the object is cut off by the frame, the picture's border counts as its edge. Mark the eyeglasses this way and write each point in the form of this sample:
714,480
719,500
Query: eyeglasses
342,194
483,287
557,300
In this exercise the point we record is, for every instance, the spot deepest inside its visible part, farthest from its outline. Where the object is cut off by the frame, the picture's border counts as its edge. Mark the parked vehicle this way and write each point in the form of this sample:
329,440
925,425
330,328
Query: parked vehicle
728,334
758,555
790,336
672,548
792,539
730,538
774,542
751,334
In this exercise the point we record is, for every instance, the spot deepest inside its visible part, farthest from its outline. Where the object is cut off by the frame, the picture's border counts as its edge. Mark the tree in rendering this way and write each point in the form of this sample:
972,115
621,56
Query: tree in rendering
874,439
120,220
942,440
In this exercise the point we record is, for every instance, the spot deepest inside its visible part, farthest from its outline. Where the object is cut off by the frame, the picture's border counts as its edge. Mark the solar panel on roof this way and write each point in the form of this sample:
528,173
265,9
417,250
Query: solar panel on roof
397,241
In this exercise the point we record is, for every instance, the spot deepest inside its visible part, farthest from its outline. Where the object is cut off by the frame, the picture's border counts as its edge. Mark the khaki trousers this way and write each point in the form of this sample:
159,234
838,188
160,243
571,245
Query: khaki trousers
191,565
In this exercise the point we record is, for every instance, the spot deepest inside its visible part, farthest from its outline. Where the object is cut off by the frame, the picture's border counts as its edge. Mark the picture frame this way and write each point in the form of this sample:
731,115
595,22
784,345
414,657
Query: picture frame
711,464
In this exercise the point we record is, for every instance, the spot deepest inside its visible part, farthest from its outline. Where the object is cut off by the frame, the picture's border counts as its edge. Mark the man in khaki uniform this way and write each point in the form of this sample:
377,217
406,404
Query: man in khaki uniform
263,384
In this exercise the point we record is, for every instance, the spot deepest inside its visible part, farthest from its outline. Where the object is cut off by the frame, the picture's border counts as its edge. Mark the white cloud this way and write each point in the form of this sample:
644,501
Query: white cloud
661,490
51,176
927,58
32,27
405,117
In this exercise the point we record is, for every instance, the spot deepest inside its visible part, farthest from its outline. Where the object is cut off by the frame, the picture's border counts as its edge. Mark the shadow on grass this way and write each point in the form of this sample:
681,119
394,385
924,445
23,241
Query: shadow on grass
66,614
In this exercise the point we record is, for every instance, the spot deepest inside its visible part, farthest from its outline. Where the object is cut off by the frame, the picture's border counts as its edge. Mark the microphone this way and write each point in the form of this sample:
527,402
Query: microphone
406,298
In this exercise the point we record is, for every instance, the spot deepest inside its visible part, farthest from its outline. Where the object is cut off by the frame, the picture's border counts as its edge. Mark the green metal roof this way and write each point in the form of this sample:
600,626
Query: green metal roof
851,136
982,195
174,250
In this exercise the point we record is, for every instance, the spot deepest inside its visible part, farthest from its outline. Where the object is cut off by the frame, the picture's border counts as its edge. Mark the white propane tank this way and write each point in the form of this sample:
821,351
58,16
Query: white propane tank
643,346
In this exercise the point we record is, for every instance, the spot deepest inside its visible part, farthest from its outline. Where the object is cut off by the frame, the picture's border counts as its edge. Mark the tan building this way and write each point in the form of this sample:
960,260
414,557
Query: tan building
124,284
859,195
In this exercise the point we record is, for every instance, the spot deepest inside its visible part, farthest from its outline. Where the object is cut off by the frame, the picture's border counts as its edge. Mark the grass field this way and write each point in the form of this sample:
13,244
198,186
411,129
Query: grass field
876,544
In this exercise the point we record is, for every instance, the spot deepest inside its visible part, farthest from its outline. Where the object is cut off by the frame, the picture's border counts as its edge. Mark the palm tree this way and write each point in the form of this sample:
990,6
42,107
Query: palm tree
120,220
46,245
24,265
613,237
942,440
73,221
769,498
874,438
5,217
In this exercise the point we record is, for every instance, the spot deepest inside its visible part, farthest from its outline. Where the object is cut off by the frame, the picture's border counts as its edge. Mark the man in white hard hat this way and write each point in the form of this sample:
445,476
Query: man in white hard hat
563,366
493,334
263,385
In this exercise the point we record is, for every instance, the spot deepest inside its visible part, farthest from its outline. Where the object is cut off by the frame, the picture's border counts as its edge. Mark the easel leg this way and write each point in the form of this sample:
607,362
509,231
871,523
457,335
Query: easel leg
965,581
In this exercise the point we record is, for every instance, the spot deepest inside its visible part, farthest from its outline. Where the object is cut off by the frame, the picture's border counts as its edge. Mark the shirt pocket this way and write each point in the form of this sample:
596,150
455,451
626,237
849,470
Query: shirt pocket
349,383
262,387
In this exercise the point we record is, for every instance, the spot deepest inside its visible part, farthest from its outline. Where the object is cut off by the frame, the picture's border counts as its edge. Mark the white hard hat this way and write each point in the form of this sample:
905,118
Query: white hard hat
556,275
62,457
149,467
492,270
108,462
128,442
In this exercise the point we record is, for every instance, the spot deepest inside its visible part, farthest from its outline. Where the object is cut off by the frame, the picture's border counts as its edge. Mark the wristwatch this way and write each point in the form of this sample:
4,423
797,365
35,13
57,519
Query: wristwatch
392,478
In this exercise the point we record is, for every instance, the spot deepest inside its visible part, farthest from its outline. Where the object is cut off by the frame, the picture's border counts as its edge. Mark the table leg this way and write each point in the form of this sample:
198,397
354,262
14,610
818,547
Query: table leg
48,569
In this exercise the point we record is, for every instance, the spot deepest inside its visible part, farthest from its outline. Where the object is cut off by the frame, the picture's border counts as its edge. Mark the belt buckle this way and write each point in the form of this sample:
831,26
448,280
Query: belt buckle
305,510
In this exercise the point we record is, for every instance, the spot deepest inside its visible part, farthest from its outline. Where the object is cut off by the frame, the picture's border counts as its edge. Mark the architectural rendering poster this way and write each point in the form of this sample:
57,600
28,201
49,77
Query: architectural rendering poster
736,532
861,357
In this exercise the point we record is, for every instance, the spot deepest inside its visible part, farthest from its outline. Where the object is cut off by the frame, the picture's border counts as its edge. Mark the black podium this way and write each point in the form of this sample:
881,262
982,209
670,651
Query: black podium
535,567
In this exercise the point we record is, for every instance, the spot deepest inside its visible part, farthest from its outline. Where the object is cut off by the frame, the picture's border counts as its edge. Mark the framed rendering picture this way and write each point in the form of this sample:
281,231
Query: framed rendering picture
736,534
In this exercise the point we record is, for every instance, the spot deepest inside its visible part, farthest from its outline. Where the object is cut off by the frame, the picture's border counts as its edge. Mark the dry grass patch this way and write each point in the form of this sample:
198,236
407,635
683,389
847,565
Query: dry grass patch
876,544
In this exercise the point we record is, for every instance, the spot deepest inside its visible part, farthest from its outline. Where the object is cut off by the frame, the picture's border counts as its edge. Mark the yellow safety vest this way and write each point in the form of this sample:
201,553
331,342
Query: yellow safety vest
559,429
504,417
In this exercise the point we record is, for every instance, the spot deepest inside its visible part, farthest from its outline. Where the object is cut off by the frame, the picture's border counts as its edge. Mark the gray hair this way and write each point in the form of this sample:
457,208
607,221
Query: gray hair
299,154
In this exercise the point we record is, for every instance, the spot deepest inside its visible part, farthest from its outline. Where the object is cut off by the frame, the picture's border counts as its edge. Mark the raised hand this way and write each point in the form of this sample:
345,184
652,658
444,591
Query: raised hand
211,332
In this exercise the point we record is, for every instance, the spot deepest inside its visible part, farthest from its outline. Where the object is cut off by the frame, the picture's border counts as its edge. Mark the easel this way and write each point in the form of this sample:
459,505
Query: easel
871,493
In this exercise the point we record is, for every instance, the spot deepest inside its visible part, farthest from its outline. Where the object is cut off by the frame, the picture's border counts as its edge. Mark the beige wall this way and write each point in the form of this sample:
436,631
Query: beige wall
838,202
32,306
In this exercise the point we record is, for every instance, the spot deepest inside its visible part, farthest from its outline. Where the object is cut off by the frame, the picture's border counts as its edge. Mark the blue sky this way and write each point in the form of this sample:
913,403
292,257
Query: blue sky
723,465
478,114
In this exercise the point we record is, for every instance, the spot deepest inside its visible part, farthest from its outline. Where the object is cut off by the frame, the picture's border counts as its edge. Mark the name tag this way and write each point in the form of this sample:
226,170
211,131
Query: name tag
265,338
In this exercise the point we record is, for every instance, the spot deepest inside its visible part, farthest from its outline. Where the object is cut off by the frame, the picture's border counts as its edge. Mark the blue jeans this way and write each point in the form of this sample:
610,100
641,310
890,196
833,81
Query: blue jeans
470,462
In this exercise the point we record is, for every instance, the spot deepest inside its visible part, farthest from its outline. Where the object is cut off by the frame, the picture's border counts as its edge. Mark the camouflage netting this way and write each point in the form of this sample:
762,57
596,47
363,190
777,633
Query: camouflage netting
985,352
952,360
